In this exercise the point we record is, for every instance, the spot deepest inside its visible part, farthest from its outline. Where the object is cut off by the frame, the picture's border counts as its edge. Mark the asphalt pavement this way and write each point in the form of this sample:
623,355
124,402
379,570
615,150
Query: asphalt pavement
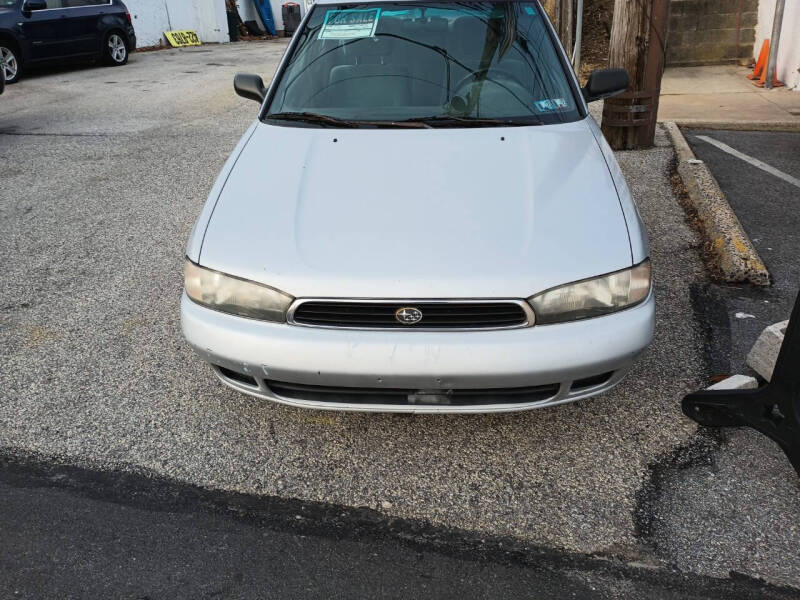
104,171
74,533
745,470
768,207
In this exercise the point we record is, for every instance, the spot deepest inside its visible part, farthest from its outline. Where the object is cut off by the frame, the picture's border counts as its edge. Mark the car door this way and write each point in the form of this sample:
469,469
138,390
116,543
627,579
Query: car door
83,21
42,28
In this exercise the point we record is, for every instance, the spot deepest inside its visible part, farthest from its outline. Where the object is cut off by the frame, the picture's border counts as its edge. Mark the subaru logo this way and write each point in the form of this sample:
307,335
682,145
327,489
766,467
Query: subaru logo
408,315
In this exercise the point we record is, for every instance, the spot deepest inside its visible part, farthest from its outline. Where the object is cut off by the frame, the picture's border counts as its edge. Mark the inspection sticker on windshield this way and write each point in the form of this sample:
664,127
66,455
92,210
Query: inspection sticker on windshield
349,24
550,104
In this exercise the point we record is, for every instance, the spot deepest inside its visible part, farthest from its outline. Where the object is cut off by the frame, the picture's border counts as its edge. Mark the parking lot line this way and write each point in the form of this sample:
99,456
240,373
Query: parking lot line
753,161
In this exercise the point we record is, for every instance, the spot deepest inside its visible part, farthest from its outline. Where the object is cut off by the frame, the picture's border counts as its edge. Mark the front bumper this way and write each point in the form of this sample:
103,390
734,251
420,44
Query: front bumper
424,360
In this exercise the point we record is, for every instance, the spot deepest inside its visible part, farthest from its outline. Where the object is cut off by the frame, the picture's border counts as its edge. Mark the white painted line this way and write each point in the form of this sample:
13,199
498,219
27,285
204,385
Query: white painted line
753,161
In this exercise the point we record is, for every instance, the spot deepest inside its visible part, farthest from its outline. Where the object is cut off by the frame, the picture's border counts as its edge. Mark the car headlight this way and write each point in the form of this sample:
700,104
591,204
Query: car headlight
593,297
234,295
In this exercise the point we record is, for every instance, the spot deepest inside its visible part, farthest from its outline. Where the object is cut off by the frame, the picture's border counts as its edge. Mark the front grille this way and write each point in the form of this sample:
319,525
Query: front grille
411,397
434,315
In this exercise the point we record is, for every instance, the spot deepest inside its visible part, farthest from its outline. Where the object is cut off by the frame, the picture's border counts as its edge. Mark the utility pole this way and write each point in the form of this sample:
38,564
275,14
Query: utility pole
774,43
576,51
638,38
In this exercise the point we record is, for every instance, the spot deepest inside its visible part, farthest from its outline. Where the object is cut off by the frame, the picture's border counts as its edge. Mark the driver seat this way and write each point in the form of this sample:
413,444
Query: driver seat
373,81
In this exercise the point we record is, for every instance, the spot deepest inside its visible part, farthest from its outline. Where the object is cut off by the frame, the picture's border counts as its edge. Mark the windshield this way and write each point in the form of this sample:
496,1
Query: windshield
442,63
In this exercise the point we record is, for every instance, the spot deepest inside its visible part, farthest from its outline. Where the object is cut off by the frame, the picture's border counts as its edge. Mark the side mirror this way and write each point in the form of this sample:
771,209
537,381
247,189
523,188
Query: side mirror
30,5
605,83
250,86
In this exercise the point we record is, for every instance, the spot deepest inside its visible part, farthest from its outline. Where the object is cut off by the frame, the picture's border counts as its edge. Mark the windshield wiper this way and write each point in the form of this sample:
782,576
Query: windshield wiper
309,117
423,122
318,119
459,121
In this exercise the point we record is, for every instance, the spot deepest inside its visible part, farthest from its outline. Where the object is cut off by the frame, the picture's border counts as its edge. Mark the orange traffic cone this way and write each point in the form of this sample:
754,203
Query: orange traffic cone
763,80
761,63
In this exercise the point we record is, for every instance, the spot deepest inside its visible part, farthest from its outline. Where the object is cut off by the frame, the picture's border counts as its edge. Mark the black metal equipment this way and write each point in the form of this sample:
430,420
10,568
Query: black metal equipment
233,25
773,409
290,11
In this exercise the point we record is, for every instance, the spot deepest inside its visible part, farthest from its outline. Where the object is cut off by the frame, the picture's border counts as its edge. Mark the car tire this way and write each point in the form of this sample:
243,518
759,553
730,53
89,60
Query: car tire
10,61
115,49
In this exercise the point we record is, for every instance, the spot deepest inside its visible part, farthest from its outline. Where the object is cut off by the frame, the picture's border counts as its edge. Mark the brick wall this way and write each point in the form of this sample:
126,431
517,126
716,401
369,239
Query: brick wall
703,32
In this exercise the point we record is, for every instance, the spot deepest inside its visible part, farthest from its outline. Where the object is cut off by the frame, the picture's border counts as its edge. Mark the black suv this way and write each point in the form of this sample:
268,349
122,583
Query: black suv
39,31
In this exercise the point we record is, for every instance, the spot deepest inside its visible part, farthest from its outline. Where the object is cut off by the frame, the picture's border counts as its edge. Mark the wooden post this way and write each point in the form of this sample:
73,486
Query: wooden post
552,9
565,25
654,67
561,14
638,38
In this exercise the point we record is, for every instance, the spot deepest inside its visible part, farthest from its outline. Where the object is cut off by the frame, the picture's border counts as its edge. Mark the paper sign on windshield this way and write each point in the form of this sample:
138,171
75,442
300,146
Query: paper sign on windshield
349,24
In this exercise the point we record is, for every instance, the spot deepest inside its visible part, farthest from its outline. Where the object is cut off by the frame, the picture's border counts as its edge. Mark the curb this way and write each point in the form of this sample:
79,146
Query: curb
733,252
738,125
736,382
764,354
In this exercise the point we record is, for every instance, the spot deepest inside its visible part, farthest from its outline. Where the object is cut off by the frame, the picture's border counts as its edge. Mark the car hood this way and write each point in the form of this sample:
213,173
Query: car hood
422,213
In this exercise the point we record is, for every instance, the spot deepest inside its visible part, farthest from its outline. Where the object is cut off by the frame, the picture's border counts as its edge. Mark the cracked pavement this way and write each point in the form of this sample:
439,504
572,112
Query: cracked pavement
104,171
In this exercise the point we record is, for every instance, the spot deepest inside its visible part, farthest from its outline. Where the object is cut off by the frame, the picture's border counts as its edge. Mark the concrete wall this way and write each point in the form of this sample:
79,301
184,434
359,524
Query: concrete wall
151,18
703,32
206,17
788,65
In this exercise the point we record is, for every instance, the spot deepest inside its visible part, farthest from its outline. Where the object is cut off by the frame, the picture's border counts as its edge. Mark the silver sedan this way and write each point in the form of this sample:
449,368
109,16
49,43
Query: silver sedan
424,218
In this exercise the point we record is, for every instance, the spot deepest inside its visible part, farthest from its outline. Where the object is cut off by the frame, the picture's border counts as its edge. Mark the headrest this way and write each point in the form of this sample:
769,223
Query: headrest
469,29
372,46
